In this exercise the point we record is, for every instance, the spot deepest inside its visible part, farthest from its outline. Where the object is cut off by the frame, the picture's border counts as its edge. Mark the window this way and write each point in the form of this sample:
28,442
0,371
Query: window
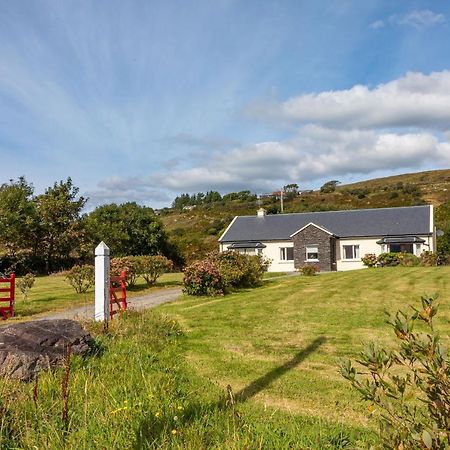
350,251
287,253
401,248
312,253
259,251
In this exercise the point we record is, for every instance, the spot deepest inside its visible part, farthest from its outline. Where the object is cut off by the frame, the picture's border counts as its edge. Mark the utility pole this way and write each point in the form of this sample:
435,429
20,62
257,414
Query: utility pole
281,197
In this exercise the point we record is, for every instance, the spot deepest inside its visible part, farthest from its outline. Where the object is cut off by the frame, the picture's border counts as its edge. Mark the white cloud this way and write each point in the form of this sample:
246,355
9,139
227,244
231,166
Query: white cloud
419,19
377,25
415,100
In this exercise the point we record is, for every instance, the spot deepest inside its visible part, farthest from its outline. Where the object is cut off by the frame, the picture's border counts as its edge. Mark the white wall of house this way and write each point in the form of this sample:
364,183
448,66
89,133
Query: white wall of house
369,245
272,252
365,245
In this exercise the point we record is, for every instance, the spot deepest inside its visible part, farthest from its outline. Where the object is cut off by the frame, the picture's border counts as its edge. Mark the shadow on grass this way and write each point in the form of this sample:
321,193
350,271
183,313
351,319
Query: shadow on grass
152,432
263,382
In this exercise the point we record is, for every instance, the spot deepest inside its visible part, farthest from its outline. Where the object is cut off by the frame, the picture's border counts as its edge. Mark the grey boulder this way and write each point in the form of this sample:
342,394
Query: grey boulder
28,348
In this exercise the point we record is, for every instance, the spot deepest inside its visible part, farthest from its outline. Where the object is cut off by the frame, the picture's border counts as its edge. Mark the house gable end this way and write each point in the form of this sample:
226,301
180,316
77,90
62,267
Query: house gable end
311,224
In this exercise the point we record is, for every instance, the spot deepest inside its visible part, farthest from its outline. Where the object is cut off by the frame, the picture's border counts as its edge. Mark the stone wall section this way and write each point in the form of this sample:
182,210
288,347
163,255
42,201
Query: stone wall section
326,243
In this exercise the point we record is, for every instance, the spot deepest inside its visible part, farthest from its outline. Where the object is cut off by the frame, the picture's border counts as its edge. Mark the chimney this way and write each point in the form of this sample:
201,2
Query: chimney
261,212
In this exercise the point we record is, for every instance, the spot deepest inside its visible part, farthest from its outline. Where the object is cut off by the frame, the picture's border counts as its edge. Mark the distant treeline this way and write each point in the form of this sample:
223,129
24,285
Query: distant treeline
201,198
48,232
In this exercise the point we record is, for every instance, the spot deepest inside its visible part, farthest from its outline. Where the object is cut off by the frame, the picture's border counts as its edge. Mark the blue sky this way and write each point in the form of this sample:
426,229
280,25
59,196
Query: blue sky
142,100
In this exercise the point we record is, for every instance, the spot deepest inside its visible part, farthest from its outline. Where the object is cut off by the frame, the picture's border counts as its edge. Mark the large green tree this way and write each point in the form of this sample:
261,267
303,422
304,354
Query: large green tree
18,218
59,210
128,229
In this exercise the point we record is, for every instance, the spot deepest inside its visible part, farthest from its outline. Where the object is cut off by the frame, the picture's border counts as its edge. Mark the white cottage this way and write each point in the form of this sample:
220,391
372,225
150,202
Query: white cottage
332,240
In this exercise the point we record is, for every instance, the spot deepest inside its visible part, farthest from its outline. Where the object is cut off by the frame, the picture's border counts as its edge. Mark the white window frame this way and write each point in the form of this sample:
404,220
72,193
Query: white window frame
284,254
355,252
312,249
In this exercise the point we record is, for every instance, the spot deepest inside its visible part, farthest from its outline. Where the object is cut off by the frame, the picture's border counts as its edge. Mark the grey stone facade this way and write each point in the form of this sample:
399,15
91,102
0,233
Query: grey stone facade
325,242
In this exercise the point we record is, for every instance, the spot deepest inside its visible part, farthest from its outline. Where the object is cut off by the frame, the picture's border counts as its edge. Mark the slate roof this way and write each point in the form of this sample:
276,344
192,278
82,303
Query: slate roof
413,220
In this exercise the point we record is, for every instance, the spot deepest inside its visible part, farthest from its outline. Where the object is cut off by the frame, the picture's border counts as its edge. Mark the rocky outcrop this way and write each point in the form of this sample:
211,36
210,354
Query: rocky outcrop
28,348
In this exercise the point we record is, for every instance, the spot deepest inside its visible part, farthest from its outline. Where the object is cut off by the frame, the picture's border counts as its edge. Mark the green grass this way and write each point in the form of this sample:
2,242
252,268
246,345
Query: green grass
255,369
53,293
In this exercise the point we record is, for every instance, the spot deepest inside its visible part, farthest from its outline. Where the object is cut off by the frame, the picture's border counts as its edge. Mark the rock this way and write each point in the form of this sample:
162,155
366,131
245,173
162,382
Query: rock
28,348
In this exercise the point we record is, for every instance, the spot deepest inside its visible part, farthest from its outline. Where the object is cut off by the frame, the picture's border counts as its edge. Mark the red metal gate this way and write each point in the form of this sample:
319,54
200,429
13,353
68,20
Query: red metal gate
117,284
7,302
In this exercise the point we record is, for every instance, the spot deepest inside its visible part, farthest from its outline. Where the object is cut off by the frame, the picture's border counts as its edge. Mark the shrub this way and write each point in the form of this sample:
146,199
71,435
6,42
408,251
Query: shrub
428,259
238,270
129,264
152,267
203,278
309,270
25,284
388,259
408,260
407,389
81,278
369,260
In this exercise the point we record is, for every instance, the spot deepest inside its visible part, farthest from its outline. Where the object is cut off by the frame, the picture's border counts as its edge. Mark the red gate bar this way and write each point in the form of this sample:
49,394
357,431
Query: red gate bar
7,302
117,305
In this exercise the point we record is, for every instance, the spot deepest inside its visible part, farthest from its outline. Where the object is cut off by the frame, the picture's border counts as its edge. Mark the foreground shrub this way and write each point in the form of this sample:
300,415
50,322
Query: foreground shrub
388,259
203,278
129,264
428,259
81,278
152,267
407,389
25,284
369,260
309,270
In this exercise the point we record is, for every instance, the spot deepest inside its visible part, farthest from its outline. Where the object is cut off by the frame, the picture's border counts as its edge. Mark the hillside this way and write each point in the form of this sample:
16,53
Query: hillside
196,231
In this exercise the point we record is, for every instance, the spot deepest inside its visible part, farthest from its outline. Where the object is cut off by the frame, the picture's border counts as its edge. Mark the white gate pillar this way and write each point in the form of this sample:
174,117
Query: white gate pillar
101,283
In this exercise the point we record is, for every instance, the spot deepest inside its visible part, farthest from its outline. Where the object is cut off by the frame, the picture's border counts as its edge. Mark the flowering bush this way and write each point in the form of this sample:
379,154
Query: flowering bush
129,264
428,259
238,270
152,267
223,271
309,270
369,260
408,260
81,278
203,278
388,259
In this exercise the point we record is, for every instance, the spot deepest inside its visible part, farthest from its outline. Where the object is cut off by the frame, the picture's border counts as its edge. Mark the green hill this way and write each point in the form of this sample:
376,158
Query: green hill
195,231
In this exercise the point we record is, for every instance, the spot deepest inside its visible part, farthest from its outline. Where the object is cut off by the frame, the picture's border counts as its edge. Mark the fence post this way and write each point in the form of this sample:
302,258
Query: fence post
102,283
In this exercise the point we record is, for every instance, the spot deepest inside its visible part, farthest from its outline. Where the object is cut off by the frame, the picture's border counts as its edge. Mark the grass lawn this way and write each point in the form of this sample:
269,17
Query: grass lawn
279,346
52,293
254,369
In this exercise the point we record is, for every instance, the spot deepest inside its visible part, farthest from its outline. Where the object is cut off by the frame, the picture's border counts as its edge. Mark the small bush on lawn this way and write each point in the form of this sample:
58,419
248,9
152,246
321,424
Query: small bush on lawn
238,270
203,278
428,259
408,390
152,267
309,270
369,260
408,260
81,278
388,259
129,264
25,284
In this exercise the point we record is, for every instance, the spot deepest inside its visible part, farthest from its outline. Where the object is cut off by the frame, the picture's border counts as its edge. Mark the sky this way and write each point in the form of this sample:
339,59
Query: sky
144,100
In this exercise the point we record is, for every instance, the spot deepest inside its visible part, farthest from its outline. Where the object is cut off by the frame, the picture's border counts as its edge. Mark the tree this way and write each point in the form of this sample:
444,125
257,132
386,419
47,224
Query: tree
291,190
59,212
129,229
18,218
329,186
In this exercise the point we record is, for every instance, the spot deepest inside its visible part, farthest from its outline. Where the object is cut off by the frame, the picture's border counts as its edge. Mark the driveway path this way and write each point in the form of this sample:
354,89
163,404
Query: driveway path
136,303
